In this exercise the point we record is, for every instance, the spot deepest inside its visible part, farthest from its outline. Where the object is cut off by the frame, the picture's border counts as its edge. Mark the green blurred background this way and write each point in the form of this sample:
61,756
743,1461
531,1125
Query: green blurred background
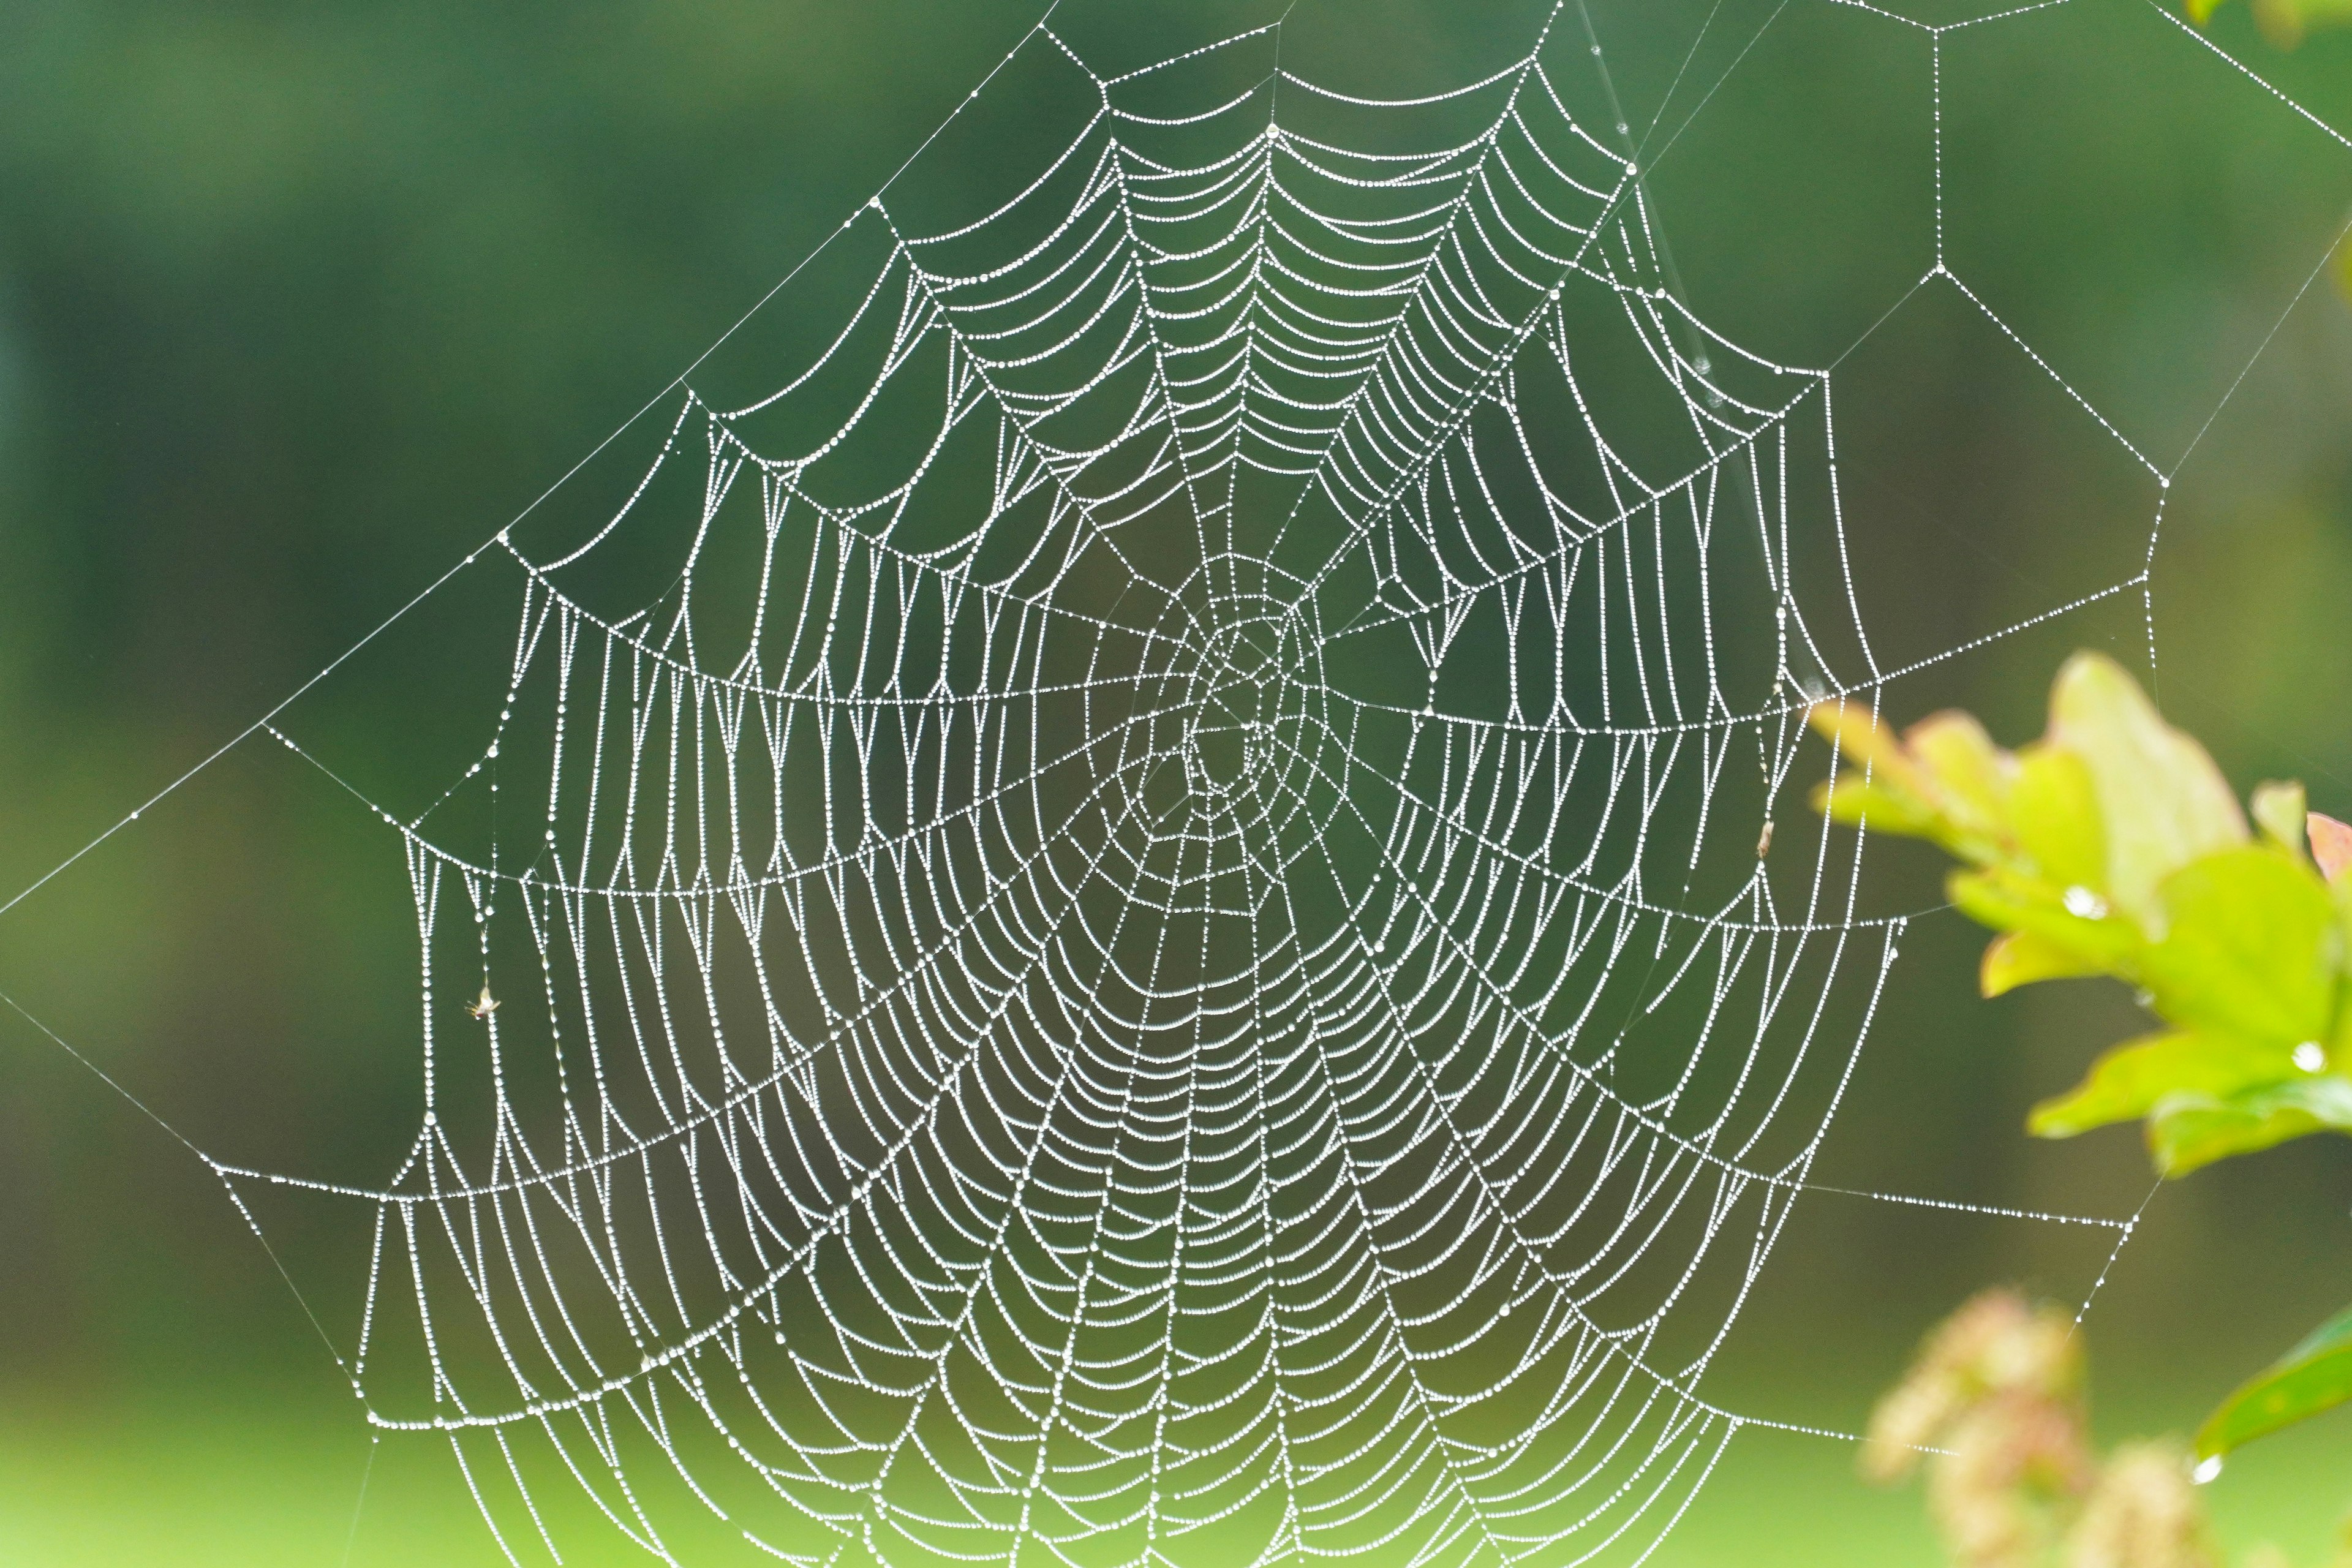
299,304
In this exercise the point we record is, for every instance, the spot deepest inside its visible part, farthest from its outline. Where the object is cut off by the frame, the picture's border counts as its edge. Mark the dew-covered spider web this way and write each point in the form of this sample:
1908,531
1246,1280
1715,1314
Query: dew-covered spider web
1147,899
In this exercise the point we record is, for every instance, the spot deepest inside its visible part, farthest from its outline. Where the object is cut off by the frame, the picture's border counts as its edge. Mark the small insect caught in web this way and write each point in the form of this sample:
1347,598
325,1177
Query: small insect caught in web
1763,841
483,1005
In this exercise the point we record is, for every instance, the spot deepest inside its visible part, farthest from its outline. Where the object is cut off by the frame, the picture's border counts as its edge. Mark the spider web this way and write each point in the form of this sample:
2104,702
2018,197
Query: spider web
1128,907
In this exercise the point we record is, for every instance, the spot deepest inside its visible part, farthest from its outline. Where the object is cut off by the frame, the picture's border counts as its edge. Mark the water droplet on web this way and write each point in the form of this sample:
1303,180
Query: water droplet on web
2206,1470
2309,1057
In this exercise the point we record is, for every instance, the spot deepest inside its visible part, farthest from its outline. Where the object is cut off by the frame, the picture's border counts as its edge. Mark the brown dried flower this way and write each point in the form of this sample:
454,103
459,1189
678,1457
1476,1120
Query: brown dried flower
2014,1464
2144,1513
1996,1343
1997,1395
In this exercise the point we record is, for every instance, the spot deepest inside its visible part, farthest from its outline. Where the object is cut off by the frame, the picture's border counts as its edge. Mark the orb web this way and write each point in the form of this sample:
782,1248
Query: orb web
1147,952
1128,908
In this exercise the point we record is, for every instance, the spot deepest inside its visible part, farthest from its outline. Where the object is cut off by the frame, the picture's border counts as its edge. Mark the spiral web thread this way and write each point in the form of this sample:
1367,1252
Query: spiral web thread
1165,944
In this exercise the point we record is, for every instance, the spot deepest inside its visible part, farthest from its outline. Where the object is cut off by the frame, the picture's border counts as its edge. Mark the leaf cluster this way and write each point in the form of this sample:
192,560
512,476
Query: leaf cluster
2283,22
2114,846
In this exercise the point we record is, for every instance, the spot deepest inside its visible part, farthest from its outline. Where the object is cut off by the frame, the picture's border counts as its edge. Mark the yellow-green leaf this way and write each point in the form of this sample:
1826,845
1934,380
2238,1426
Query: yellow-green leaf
2315,1375
1943,780
1849,800
2161,798
2251,948
1967,773
2021,958
1861,740
2075,918
2054,816
2278,810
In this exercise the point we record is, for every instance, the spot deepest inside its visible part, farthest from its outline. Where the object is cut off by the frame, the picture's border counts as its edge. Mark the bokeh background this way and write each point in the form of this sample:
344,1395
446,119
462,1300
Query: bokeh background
299,304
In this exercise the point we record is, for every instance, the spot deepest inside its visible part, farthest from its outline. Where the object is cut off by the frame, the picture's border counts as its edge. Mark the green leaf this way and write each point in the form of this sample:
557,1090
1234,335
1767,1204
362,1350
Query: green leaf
2251,948
2162,799
2188,1131
2133,1080
2315,1375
